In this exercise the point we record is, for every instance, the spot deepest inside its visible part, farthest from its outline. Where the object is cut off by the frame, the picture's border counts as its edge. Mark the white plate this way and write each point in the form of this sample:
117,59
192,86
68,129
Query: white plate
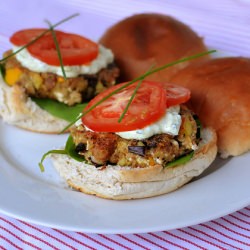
43,198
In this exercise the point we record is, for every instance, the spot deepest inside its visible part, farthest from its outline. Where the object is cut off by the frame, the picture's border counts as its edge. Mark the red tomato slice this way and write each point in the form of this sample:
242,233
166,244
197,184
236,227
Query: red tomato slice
74,49
176,94
147,107
23,37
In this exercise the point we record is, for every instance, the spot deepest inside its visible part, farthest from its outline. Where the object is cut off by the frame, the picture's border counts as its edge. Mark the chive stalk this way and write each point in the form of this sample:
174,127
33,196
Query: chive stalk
53,33
132,98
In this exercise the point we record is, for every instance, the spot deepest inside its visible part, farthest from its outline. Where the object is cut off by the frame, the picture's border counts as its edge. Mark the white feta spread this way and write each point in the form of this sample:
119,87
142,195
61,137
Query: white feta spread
169,124
104,57
79,121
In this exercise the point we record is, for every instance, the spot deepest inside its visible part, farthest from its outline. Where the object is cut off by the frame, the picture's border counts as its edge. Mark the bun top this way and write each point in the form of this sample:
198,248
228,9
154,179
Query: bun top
144,40
220,95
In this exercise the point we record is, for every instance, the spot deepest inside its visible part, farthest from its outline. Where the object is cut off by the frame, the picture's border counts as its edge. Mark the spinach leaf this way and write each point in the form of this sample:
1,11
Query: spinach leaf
181,160
63,152
199,126
60,110
2,70
70,149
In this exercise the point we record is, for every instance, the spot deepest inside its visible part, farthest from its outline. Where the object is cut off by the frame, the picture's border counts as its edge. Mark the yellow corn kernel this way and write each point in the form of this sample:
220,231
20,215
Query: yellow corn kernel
151,161
60,79
187,127
122,162
12,75
99,88
140,143
36,79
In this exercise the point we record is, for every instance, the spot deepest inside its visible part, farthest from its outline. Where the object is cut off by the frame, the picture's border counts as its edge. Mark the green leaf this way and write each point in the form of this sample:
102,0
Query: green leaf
70,149
2,70
181,160
48,153
199,126
60,110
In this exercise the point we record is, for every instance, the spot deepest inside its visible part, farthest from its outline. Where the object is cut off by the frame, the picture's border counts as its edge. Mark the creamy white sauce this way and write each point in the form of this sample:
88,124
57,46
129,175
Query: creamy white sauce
104,57
79,121
169,124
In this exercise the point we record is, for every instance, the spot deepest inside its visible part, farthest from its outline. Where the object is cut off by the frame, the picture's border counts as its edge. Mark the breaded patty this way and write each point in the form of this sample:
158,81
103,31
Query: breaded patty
48,85
109,148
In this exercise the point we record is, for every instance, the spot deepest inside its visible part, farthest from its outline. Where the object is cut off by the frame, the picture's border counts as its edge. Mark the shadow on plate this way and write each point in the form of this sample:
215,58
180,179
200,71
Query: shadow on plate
216,165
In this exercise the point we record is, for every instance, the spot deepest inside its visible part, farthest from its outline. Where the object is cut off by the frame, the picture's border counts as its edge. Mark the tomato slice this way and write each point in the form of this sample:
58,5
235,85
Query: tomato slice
148,106
176,94
23,37
74,49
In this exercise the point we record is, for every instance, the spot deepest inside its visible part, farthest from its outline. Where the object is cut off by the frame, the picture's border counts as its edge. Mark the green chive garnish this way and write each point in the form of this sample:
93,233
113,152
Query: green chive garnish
130,100
53,33
132,97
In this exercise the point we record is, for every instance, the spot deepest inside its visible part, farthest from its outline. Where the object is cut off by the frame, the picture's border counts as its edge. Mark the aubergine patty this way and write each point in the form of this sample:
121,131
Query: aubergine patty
108,148
48,85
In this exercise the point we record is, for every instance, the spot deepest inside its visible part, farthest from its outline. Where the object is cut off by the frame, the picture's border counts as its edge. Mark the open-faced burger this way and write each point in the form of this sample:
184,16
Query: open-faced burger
33,78
153,148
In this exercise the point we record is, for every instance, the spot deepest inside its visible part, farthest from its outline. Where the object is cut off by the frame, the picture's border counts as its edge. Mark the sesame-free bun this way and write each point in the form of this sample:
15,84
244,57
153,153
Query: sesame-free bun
119,183
145,40
220,95
18,109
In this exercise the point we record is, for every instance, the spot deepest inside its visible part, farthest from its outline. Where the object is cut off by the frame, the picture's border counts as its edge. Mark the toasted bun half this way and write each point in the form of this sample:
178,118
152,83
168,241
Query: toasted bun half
221,97
18,109
119,183
145,40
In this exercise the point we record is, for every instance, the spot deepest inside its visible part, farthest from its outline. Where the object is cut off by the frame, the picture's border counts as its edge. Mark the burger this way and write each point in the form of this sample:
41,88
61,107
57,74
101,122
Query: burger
47,77
135,140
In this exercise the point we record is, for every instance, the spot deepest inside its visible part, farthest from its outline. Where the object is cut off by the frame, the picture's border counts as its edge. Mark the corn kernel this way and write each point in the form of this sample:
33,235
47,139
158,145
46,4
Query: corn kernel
187,127
151,161
12,75
60,79
36,79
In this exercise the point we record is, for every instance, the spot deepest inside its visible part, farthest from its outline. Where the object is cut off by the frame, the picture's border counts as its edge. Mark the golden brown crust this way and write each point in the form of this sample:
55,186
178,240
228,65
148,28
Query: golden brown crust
143,40
221,97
